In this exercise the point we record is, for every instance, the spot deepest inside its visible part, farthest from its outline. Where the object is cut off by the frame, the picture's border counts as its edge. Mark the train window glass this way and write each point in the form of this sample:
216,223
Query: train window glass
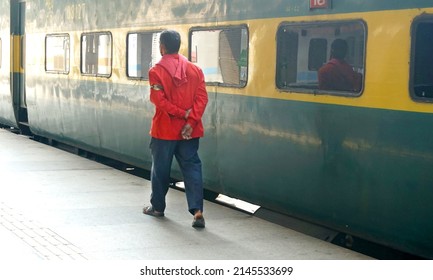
143,52
57,53
422,61
222,54
96,54
1,52
317,53
304,49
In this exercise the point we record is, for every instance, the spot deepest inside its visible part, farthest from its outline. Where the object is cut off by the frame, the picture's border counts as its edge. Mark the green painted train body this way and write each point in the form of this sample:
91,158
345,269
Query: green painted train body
358,164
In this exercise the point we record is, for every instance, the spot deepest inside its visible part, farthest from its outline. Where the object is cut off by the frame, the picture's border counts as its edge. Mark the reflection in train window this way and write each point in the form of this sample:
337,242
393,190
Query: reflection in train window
96,53
143,53
422,61
326,57
57,53
222,54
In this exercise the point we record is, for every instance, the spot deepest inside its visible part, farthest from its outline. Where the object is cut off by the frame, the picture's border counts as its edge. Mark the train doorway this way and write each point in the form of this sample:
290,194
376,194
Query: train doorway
18,64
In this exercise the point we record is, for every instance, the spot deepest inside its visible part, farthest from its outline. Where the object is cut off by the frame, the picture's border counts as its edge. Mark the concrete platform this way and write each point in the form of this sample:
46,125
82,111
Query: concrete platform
55,205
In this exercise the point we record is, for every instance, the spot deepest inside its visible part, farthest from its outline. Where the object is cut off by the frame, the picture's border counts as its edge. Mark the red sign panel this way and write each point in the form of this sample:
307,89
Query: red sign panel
319,4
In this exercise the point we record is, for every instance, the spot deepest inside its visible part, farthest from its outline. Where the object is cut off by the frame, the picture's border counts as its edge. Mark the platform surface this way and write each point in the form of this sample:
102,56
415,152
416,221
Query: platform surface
55,205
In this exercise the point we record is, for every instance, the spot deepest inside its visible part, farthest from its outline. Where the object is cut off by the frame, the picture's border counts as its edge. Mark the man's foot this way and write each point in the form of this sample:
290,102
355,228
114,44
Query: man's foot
148,210
198,221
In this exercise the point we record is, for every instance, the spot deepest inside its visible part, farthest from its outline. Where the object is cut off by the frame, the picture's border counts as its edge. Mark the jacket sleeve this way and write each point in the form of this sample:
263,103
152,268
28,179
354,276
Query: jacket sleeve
200,102
159,97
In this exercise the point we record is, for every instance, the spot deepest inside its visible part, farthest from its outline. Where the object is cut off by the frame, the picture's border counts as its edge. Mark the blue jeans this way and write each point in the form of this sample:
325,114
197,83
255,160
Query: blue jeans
186,155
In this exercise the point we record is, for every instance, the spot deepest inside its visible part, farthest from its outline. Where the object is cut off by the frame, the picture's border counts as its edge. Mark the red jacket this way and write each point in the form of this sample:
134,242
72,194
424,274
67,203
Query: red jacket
177,85
338,75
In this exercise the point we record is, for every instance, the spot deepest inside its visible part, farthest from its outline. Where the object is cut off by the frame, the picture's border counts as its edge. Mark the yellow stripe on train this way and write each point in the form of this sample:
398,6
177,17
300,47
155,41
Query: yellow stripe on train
17,61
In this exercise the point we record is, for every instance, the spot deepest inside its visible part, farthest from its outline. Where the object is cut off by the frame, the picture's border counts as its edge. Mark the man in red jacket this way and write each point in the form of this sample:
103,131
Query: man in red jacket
337,74
178,91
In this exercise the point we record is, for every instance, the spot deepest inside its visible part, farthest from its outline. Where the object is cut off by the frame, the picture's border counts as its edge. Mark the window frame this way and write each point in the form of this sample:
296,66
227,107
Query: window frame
317,91
222,28
127,52
111,54
69,57
428,18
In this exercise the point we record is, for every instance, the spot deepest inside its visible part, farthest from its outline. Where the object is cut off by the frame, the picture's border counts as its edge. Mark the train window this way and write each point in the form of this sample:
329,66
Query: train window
1,52
96,54
222,53
57,53
422,60
326,57
143,52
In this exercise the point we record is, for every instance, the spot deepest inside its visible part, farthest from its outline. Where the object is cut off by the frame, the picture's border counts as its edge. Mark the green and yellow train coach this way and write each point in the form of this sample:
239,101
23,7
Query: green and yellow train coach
357,161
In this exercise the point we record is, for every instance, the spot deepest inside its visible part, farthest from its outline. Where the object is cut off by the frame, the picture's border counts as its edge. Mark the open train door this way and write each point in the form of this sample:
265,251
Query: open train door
17,64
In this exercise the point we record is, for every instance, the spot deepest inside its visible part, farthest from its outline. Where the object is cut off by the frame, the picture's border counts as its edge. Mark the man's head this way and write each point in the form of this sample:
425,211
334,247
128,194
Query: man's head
169,42
339,49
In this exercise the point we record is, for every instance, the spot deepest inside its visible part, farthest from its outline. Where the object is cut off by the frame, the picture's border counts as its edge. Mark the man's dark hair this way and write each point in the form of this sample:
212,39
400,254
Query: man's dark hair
339,49
171,40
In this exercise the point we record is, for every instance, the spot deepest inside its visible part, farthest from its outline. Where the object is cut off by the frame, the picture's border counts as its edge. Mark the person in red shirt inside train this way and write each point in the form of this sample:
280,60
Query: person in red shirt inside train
337,74
178,91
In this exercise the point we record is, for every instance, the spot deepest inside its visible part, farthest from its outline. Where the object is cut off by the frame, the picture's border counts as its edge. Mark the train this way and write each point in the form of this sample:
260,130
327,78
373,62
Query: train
358,162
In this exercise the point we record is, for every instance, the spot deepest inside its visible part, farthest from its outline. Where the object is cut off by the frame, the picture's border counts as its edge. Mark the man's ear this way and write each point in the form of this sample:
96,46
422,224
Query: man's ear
162,49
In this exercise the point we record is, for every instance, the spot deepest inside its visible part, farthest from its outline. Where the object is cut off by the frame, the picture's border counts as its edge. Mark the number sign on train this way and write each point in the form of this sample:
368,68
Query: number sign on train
319,4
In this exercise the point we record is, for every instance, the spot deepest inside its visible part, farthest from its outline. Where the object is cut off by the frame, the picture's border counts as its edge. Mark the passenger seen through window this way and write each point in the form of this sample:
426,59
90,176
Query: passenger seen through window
337,74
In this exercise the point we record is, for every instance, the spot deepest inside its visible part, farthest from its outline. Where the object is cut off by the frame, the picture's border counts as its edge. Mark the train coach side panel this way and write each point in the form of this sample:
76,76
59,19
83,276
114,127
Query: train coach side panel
105,118
362,171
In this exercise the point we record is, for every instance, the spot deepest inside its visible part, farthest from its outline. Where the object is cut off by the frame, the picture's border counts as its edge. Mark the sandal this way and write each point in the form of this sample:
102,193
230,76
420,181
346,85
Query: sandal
148,210
198,221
